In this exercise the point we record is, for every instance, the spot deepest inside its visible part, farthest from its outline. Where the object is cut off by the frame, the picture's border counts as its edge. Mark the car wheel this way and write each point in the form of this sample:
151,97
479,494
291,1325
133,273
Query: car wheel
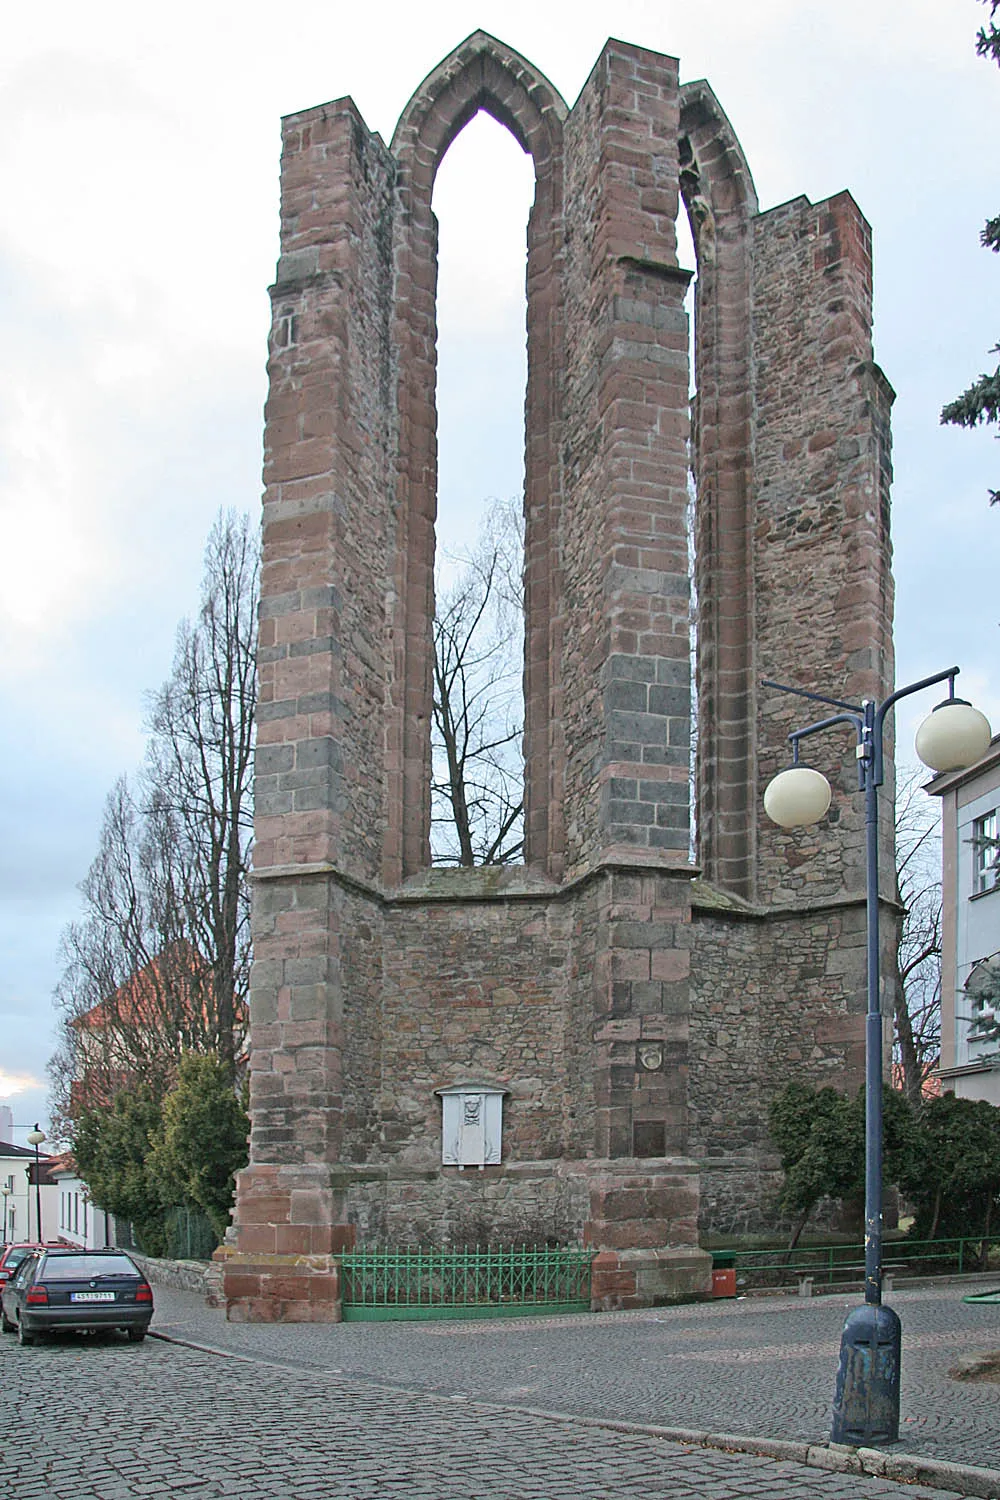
135,1335
6,1326
24,1338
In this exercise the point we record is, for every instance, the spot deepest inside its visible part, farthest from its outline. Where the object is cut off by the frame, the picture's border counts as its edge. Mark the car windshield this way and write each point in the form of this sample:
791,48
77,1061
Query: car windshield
86,1267
15,1257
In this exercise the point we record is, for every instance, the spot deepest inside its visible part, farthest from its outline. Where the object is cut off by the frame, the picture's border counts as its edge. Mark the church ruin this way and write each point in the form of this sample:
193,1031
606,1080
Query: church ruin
580,1048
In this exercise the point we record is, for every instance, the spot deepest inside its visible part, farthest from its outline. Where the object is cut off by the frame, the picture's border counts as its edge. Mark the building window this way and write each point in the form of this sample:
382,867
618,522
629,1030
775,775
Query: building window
985,854
983,989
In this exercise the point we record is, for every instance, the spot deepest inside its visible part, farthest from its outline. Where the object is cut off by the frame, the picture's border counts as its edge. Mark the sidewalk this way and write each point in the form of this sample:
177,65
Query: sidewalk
696,1375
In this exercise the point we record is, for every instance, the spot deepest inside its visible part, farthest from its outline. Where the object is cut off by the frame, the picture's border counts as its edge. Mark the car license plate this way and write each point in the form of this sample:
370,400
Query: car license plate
91,1296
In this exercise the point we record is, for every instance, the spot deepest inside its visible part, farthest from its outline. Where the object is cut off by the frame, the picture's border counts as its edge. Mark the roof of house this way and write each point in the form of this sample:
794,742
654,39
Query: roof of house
63,1164
179,968
8,1149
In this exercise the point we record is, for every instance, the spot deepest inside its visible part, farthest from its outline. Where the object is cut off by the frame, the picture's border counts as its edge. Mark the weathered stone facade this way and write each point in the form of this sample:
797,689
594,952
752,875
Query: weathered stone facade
637,1019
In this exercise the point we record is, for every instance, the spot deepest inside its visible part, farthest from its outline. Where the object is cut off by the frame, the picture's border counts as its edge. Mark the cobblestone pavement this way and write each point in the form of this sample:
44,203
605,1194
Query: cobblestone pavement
762,1366
87,1419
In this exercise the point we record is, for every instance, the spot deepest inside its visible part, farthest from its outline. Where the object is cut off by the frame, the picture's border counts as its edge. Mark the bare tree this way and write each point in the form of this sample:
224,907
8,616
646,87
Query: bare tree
477,788
134,992
159,963
201,762
917,1001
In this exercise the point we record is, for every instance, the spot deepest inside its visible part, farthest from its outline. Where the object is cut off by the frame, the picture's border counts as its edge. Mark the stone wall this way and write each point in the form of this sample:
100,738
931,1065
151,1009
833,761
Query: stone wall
779,996
324,655
521,1203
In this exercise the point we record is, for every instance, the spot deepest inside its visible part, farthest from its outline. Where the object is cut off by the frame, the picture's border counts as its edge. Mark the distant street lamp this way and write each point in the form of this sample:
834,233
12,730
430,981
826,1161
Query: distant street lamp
6,1196
954,735
35,1138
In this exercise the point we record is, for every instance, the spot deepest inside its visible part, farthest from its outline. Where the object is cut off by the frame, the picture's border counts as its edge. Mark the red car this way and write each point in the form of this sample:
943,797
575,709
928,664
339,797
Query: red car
11,1256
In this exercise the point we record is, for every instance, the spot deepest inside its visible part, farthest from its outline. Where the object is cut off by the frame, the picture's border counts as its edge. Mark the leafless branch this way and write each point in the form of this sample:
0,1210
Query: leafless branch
160,962
477,789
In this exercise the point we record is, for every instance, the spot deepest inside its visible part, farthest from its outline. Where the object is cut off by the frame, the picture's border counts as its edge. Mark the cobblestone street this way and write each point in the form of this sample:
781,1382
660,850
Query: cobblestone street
759,1365
430,1411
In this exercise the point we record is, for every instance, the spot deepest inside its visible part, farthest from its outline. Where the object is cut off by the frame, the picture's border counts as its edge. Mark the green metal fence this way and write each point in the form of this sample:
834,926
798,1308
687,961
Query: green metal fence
190,1234
833,1263
485,1282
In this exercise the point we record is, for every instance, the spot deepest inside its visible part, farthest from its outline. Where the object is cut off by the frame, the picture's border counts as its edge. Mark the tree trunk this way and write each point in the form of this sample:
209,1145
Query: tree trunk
909,1060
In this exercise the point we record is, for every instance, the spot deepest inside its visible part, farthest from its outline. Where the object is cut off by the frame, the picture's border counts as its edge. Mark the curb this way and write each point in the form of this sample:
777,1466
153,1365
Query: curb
901,1468
856,1288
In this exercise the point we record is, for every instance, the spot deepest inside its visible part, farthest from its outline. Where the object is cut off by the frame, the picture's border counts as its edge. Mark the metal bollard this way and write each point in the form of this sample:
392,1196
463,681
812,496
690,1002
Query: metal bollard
866,1405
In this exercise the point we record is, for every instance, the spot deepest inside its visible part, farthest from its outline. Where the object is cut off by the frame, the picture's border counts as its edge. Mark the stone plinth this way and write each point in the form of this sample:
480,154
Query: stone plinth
281,1288
624,1279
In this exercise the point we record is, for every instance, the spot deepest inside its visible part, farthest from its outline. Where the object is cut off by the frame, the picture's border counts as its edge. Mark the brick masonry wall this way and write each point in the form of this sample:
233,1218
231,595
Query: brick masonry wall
625,691
323,663
821,543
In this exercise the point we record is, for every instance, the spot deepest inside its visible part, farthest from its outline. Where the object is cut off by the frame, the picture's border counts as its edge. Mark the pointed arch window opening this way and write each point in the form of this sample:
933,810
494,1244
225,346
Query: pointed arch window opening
687,257
482,197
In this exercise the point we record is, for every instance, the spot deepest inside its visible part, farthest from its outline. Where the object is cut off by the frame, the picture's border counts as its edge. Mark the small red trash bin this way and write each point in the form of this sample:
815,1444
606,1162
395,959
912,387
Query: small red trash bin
724,1282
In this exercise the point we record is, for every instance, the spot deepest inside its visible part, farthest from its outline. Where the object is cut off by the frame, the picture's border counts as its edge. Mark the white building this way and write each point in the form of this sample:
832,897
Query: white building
80,1222
970,860
19,1199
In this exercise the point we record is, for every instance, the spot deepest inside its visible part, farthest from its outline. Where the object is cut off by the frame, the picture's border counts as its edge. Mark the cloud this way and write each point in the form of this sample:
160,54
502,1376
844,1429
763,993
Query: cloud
17,1083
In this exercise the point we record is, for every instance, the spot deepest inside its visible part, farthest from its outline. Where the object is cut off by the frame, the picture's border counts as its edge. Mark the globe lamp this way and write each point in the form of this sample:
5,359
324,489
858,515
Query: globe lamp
797,797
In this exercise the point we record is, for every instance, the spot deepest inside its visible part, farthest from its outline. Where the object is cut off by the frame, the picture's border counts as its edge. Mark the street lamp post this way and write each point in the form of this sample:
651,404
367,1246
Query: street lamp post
35,1138
866,1404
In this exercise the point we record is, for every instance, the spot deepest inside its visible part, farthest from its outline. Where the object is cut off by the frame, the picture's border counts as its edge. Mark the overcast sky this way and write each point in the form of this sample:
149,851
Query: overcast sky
138,234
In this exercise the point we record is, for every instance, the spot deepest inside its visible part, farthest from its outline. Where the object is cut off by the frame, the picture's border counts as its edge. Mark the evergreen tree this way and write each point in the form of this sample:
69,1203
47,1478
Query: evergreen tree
111,1147
981,402
822,1151
952,1178
202,1143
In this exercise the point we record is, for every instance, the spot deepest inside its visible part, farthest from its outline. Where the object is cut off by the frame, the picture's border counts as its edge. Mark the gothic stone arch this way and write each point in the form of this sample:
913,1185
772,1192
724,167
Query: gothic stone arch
634,1017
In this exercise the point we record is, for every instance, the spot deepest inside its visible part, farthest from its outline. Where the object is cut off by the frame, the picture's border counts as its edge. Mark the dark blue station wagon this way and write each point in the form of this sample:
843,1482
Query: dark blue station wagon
79,1290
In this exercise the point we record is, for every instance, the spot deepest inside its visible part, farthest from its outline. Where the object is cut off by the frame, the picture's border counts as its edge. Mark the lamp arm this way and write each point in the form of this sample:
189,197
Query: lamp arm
851,718
804,693
800,734
948,675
